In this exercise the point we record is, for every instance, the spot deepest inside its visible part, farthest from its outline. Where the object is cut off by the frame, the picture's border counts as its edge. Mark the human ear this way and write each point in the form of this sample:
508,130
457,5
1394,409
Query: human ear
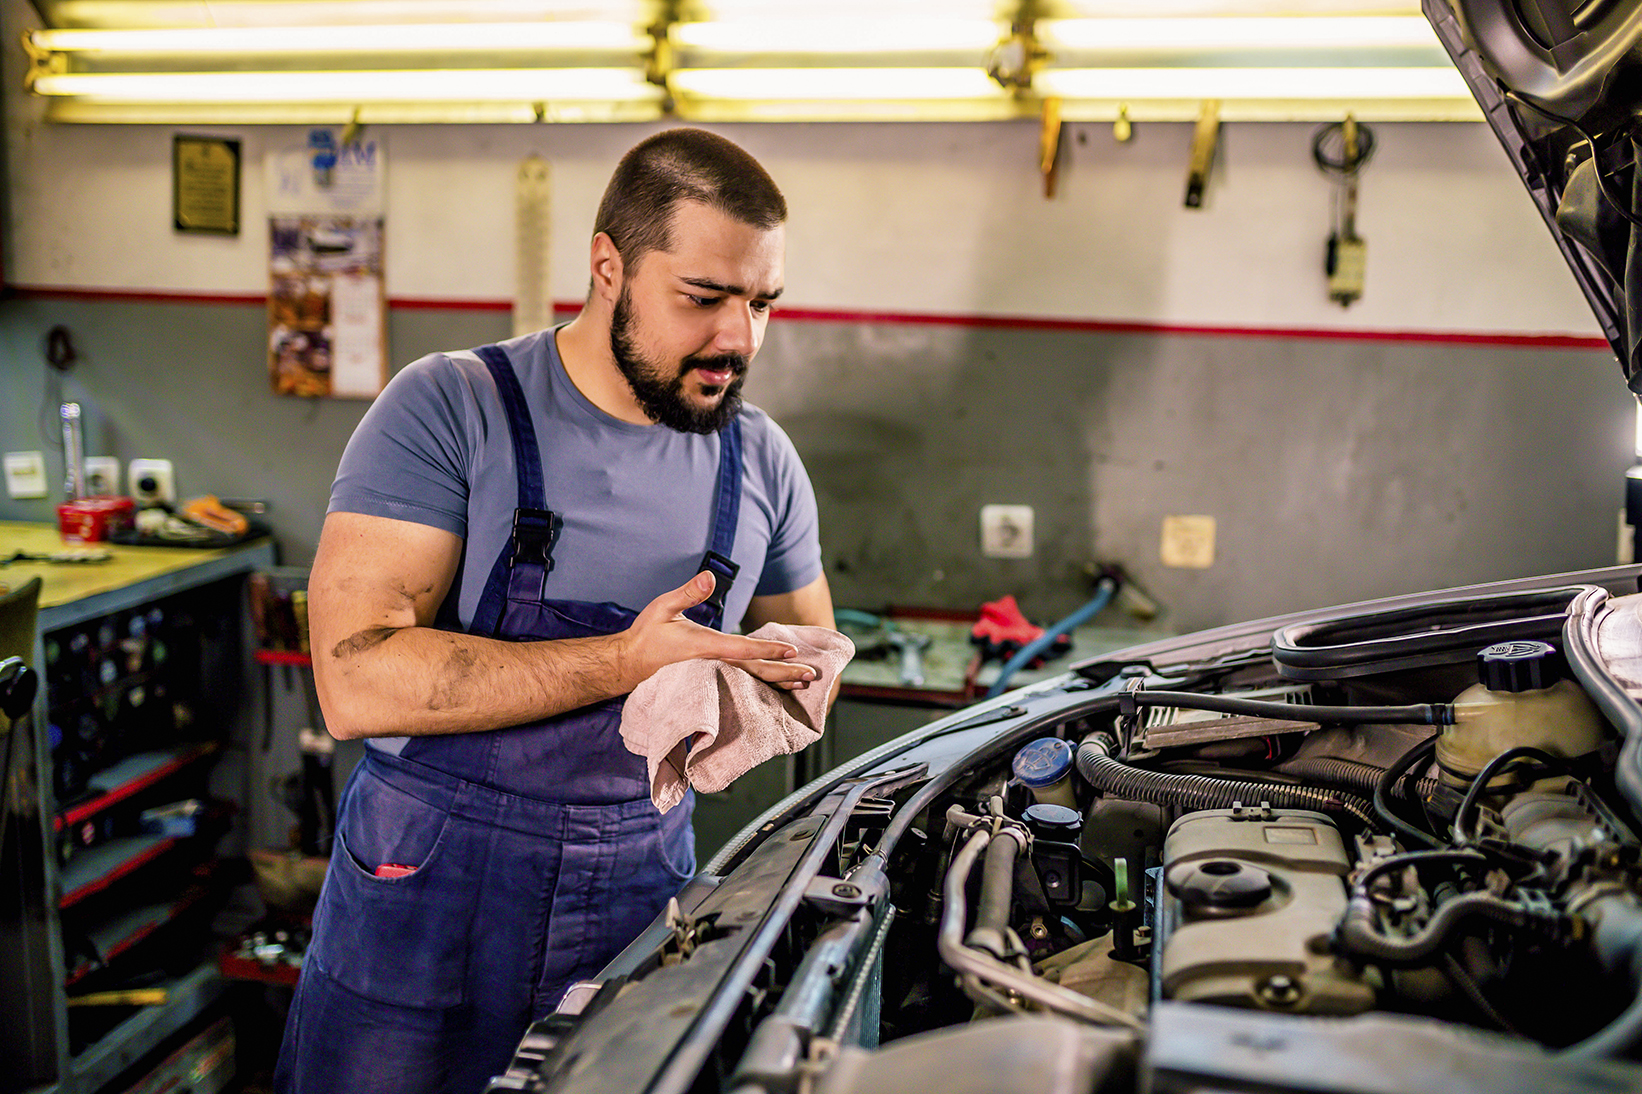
606,268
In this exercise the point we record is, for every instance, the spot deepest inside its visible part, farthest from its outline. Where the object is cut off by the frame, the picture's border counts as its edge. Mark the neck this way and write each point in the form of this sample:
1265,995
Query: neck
584,347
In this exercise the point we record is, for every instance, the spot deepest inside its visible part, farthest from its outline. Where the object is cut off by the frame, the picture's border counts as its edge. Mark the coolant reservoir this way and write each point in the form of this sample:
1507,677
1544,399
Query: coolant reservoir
1521,701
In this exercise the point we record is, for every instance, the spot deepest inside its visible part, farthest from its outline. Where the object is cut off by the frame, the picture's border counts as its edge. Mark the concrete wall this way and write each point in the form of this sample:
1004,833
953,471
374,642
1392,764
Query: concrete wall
1336,470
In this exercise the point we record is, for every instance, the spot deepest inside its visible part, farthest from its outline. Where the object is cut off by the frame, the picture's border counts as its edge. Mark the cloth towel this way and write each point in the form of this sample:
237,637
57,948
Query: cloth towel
706,723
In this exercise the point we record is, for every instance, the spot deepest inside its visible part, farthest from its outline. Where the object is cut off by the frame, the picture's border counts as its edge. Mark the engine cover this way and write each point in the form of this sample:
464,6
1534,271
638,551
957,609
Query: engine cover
1250,897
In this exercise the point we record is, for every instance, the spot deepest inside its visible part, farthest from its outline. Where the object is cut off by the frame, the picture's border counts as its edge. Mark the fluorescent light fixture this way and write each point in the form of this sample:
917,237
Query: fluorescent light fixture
1297,84
283,13
836,84
359,38
839,35
454,85
1227,33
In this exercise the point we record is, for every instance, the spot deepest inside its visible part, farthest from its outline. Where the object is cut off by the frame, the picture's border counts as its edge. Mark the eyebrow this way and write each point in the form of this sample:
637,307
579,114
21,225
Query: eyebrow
728,290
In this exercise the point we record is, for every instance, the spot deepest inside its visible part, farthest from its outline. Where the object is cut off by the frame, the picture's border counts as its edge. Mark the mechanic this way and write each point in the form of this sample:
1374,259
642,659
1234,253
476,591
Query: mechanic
496,518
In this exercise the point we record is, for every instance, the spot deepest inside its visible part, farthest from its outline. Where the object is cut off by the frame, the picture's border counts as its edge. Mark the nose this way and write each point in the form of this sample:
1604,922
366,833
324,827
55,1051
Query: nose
740,330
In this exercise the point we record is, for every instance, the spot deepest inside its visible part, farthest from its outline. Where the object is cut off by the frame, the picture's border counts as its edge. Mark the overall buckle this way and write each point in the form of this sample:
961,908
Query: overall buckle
724,572
535,531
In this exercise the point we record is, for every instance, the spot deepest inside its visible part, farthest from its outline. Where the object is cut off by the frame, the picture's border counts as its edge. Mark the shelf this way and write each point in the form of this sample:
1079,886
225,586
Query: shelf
131,776
117,935
94,869
235,967
186,996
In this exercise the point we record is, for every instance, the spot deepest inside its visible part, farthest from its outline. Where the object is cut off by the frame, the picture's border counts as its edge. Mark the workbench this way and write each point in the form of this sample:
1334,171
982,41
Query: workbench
119,892
876,704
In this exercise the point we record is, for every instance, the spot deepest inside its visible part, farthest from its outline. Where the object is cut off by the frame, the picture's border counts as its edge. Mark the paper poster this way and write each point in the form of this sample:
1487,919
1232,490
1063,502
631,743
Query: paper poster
327,323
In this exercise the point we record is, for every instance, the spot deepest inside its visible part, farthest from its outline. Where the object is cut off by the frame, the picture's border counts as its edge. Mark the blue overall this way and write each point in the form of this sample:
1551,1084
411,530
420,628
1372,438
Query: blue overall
529,856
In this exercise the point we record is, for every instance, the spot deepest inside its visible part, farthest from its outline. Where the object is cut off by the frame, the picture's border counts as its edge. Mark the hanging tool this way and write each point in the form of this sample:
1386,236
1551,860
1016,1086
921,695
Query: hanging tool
1049,146
1347,255
532,286
1205,139
912,647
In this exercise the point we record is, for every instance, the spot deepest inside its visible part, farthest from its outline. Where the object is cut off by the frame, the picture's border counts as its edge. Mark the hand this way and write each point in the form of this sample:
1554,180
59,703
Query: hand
661,636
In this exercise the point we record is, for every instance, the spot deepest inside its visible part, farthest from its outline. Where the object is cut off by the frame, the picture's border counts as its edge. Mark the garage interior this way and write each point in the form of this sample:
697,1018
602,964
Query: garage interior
961,328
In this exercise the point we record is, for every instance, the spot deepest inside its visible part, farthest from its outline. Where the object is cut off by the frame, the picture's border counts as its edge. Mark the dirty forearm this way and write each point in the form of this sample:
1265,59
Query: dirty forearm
396,681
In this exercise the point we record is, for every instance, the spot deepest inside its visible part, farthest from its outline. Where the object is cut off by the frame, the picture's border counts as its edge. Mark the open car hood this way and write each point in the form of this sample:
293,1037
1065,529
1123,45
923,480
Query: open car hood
1554,83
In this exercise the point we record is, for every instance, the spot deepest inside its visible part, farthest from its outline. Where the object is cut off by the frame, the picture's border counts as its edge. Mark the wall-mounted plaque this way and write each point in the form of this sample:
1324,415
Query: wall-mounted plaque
205,184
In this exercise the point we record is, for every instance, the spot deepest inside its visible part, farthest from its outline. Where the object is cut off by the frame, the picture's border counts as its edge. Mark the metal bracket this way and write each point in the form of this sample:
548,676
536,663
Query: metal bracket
42,61
839,897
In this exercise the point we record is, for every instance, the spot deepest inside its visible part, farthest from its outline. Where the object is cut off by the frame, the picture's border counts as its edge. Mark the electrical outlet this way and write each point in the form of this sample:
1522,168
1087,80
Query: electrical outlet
1006,531
152,483
1188,542
102,476
25,475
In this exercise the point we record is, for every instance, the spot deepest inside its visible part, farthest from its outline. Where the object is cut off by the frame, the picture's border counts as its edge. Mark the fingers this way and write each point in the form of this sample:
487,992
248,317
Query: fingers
788,675
686,596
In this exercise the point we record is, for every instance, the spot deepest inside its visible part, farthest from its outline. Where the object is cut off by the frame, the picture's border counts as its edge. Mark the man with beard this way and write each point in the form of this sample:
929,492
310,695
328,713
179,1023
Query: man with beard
517,537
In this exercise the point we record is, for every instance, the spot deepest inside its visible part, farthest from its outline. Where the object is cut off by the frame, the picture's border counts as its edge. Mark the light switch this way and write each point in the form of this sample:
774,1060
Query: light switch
1188,542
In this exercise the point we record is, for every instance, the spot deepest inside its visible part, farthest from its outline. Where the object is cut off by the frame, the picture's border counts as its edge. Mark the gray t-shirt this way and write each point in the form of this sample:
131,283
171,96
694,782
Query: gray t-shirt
637,500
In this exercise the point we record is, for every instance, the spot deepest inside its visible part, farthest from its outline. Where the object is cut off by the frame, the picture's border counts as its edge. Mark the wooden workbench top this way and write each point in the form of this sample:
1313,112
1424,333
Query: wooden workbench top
64,582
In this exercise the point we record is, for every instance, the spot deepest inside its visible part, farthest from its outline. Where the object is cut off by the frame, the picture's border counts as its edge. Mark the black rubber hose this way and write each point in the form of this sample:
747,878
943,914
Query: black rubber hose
1118,779
1422,714
1618,946
1420,753
1479,785
1358,937
1346,774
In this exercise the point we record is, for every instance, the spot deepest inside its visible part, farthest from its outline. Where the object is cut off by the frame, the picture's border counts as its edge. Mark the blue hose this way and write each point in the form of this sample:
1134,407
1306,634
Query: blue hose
1027,653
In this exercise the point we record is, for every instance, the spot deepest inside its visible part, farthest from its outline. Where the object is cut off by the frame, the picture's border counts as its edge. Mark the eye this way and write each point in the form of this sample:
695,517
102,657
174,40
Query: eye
701,301
760,307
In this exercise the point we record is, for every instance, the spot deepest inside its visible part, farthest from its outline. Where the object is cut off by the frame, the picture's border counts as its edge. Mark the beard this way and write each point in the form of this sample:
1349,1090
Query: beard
660,394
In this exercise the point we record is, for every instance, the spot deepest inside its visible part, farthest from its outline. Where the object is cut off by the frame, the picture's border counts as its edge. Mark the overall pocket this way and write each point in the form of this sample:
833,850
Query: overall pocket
400,940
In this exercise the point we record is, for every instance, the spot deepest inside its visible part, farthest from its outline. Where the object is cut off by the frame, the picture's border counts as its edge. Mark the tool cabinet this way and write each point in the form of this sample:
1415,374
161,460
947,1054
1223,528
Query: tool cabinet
110,883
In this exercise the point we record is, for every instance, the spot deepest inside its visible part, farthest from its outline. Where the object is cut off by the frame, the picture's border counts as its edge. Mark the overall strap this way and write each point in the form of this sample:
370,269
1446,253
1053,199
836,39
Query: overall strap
710,612
521,569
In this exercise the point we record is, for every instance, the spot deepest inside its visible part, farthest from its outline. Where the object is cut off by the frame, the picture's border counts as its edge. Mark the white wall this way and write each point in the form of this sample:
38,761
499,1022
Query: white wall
946,219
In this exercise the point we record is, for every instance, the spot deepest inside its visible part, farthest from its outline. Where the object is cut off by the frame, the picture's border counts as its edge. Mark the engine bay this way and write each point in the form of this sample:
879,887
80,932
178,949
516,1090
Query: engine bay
1342,826
1389,850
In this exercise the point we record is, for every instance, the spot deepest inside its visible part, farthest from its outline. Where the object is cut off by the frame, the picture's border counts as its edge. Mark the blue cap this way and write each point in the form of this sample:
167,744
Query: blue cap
1043,762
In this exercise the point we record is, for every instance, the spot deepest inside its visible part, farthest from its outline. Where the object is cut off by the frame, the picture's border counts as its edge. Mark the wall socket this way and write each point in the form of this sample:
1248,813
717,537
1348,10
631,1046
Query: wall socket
25,475
102,476
1006,531
152,483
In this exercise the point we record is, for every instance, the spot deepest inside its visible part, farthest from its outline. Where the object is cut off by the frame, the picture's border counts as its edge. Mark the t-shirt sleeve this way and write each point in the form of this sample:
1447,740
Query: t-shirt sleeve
794,558
410,456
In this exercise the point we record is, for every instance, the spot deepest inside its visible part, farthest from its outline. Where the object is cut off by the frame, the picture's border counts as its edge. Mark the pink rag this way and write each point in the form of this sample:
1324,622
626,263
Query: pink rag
706,723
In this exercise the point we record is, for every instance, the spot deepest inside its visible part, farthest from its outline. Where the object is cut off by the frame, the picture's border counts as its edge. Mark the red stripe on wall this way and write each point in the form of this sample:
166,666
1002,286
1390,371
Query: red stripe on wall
821,315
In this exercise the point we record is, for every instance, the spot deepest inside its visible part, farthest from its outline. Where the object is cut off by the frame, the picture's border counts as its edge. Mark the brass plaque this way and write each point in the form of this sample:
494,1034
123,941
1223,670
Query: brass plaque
205,184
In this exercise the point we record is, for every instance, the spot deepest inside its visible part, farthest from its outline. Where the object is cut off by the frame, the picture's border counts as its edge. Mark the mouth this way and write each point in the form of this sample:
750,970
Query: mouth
714,377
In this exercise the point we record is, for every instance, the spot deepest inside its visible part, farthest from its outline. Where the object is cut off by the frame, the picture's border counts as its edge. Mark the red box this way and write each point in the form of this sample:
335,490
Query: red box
89,520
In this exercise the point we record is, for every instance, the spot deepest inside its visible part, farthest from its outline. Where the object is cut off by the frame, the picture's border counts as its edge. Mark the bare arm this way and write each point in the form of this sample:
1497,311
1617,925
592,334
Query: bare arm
810,606
382,670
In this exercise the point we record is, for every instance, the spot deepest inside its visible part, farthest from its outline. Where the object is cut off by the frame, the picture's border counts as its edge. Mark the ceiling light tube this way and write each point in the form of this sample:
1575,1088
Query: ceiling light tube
278,13
836,84
454,85
839,36
1252,83
1219,34
425,38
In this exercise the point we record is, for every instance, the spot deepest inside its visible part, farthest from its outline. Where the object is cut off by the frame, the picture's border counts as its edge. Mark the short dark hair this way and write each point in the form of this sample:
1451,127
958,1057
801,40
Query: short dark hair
683,165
